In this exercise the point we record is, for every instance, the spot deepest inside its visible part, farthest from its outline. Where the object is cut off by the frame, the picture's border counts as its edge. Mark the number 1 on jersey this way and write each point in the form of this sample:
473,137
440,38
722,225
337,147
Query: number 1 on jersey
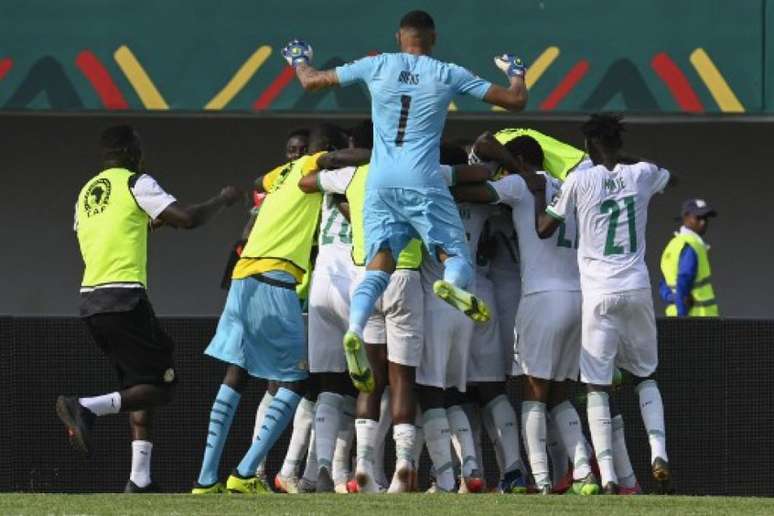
405,104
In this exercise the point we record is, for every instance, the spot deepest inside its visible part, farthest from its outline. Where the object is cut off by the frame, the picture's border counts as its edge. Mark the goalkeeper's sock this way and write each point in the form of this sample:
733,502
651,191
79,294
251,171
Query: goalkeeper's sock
326,427
364,298
623,466
652,411
265,402
277,418
222,414
457,271
438,440
141,461
533,424
598,409
568,424
103,405
299,438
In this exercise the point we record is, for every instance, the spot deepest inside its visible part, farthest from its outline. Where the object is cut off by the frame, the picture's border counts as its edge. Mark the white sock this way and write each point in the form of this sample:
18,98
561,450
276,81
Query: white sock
326,427
419,439
568,424
436,428
463,435
365,430
559,460
262,407
344,440
299,439
311,470
623,466
380,437
507,431
491,432
652,410
404,435
141,462
103,405
474,418
533,424
598,409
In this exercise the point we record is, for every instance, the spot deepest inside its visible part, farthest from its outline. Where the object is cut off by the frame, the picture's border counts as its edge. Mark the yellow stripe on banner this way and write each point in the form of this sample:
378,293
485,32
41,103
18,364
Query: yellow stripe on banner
536,70
717,85
452,106
146,90
238,81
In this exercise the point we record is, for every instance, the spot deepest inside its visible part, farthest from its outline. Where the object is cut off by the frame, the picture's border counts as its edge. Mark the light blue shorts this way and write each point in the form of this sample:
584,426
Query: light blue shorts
262,331
393,216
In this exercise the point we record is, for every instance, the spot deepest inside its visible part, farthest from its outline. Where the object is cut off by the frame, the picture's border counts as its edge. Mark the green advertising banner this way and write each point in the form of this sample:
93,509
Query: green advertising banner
697,56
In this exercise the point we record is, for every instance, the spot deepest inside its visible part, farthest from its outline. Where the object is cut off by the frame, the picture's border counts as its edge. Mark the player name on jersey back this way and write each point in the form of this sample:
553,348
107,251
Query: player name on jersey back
612,213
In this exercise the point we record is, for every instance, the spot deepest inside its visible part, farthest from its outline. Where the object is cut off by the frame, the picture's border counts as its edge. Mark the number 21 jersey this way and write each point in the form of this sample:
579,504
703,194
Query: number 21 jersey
612,212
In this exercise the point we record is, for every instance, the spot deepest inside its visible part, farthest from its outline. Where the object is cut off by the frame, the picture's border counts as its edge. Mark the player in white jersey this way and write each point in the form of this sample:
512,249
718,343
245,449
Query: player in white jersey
618,323
548,321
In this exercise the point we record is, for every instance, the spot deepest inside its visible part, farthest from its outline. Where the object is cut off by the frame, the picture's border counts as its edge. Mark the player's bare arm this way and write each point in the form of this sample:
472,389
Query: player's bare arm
545,224
480,193
344,158
190,217
299,54
514,97
487,148
309,183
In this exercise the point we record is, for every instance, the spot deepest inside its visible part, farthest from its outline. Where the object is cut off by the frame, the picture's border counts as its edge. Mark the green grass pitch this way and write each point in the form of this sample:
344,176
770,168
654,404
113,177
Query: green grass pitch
340,505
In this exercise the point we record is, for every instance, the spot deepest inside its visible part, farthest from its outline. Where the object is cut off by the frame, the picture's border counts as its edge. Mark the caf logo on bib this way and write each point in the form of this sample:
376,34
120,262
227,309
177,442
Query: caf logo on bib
169,375
97,197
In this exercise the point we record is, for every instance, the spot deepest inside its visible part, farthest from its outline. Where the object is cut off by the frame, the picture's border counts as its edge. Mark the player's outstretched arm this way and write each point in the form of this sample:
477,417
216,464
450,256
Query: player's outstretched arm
514,97
487,148
480,193
545,224
190,217
299,54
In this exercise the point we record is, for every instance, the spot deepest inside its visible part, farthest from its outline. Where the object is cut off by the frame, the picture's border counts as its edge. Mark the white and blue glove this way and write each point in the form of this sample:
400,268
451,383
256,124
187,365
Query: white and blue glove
511,65
297,52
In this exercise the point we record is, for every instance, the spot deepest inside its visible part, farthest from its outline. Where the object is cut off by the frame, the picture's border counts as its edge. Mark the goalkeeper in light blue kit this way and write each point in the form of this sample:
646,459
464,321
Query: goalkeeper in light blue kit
406,196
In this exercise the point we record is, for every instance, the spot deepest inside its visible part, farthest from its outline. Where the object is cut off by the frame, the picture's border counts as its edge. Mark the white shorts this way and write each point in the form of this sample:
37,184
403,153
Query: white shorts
548,335
398,319
328,321
507,291
447,341
618,330
488,361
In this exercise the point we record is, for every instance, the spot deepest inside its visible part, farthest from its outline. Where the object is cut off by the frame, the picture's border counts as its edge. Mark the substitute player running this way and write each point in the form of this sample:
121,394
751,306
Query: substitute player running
113,213
406,197
618,323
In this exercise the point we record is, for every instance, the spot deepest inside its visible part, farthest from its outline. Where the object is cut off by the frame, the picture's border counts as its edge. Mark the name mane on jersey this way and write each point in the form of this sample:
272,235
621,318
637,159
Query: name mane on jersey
407,77
614,185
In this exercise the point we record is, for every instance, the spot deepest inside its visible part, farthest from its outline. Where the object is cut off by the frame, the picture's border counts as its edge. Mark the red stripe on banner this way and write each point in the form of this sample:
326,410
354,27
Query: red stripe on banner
677,83
100,79
568,83
274,89
5,65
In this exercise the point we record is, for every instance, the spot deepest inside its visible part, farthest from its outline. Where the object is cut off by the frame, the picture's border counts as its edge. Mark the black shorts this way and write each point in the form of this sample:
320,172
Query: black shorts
135,344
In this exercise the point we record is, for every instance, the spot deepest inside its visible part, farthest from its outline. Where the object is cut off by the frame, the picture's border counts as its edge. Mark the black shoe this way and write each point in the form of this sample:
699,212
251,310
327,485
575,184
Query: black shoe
663,476
131,487
79,422
611,488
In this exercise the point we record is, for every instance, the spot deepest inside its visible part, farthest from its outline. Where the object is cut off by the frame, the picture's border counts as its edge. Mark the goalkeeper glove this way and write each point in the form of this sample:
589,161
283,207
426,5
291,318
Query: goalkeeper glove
511,65
297,52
